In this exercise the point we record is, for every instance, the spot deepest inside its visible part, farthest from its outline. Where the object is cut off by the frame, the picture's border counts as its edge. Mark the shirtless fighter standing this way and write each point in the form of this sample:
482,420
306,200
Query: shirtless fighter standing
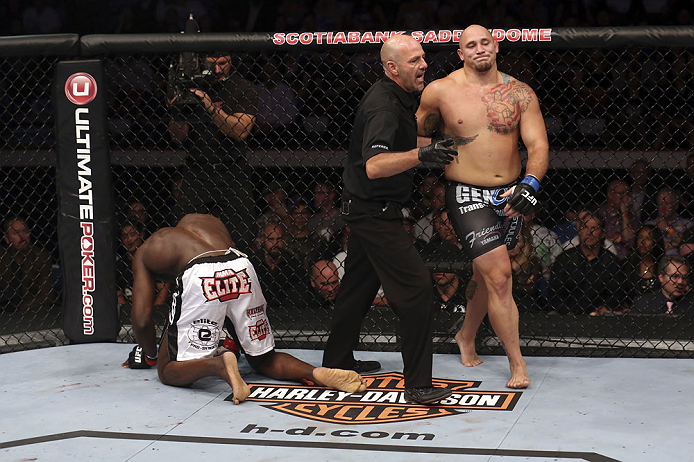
485,111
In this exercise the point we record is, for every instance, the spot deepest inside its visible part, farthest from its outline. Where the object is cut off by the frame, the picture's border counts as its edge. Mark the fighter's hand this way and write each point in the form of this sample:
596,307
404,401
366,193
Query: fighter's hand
439,152
139,360
523,197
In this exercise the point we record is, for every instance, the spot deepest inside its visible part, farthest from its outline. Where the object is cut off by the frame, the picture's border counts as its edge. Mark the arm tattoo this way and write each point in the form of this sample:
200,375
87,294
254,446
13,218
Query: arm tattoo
470,290
522,95
463,140
431,124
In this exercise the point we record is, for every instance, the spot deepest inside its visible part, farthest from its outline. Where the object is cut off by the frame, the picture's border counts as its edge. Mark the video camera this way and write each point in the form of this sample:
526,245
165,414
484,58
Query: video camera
189,71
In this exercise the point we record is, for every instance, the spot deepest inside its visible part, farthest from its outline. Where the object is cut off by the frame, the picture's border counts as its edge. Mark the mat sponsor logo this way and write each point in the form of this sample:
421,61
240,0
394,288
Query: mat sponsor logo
382,402
80,88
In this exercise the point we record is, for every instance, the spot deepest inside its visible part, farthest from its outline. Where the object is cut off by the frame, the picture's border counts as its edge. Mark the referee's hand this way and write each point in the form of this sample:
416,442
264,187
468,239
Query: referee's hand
439,152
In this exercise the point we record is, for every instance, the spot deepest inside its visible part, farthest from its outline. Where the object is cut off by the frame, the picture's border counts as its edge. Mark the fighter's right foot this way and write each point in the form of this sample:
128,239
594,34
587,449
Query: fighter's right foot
241,390
339,379
468,355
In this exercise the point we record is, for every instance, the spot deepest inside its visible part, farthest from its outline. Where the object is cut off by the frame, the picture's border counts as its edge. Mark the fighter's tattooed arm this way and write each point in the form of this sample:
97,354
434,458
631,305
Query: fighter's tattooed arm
522,95
431,124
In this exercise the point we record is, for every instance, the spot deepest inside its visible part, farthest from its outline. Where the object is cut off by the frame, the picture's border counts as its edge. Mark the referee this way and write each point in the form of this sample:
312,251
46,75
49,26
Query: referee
377,181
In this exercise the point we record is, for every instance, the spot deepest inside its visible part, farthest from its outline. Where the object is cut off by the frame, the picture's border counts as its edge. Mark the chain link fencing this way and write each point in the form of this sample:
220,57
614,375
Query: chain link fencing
265,154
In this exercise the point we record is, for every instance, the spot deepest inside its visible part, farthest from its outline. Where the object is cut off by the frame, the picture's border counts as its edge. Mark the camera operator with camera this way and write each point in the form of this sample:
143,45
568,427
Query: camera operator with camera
213,111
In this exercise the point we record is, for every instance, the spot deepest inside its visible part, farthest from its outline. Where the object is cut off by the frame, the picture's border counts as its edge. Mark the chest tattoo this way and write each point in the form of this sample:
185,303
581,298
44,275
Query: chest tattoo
505,103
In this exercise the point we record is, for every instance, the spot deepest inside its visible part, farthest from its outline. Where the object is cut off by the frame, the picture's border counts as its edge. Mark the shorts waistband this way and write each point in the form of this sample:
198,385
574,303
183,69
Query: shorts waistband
488,188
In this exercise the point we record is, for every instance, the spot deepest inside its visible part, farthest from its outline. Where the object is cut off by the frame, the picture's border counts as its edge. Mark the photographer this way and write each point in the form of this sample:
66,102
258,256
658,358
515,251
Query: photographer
212,127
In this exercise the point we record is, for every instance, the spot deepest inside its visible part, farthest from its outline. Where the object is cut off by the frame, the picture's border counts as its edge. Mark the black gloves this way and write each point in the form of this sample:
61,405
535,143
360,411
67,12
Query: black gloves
524,198
139,360
439,152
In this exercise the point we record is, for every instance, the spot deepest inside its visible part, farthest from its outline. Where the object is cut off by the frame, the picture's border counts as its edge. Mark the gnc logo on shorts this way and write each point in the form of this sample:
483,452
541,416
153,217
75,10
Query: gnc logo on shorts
382,402
80,88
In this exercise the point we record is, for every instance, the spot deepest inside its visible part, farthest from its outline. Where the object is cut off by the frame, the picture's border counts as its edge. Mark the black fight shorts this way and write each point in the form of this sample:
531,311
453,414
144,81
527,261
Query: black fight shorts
477,215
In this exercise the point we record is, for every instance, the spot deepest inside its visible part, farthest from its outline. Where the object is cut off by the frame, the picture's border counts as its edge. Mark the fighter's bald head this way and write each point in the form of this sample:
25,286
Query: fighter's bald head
395,47
473,32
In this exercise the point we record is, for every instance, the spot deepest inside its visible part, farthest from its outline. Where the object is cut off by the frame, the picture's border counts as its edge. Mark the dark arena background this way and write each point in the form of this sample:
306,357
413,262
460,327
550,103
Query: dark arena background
95,156
612,98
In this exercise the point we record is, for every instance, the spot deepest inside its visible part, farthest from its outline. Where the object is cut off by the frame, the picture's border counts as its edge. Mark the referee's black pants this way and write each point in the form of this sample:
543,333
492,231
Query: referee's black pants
380,252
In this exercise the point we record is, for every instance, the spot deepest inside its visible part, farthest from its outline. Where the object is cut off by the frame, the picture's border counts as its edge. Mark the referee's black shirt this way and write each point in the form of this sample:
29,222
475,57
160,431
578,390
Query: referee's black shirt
385,122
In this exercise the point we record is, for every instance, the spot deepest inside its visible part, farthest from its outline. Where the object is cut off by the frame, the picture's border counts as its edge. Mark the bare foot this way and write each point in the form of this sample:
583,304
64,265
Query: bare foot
241,390
519,377
339,379
468,355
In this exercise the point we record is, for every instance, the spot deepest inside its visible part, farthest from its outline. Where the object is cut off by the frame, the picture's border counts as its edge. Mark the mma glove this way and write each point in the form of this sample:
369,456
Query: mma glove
439,152
139,360
524,198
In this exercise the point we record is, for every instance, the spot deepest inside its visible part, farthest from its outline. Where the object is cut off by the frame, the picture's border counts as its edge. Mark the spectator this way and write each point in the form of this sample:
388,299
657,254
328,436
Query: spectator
26,282
41,18
300,240
527,271
283,279
276,210
448,291
426,196
642,264
642,191
620,222
326,219
409,222
668,220
674,296
132,236
687,185
566,229
586,279
278,110
424,229
545,242
325,282
444,245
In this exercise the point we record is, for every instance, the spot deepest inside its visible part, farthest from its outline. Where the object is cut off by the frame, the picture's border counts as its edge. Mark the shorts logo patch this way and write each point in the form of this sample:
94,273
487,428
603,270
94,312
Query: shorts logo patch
255,312
260,330
226,285
382,402
465,194
203,334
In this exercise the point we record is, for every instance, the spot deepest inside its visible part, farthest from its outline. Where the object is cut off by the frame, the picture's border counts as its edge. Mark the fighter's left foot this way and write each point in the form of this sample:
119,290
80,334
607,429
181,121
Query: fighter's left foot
241,389
519,377
340,379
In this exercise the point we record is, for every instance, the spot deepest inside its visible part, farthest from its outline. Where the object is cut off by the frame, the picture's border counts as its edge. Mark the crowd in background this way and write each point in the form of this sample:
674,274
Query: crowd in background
19,17
595,98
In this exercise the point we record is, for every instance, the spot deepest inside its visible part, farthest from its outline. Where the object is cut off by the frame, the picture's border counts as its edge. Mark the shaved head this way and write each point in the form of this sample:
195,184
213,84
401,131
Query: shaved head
396,46
474,30
478,49
403,61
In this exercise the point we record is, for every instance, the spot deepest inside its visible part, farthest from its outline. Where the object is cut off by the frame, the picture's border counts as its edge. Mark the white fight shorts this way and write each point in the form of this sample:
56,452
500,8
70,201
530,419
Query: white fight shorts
208,290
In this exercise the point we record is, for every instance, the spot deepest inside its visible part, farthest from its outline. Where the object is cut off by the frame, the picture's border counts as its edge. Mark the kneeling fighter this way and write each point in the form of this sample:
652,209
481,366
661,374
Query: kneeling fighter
485,111
214,282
